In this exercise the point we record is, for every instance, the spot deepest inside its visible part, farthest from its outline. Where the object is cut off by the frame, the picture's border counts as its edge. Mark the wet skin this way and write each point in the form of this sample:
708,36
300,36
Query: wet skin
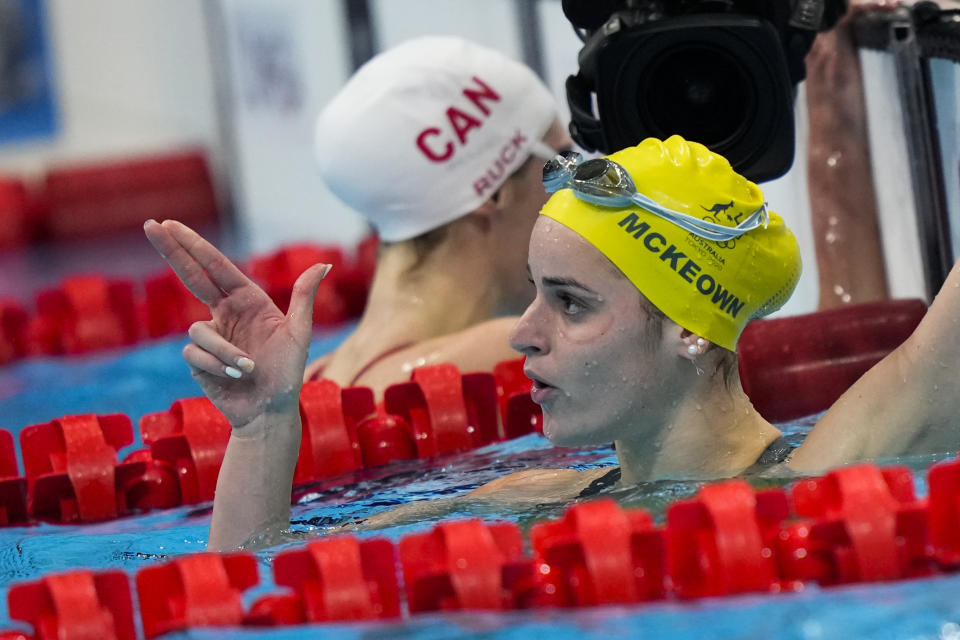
598,372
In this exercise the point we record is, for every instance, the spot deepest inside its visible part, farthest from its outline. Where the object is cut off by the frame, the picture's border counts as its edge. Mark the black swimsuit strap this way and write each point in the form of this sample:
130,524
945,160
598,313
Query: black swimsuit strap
608,479
778,451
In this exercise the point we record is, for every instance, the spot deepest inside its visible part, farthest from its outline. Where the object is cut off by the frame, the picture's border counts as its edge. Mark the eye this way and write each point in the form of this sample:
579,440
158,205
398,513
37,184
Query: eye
570,305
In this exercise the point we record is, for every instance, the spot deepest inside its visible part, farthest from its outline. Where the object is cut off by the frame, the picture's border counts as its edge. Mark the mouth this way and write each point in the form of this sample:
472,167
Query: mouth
541,389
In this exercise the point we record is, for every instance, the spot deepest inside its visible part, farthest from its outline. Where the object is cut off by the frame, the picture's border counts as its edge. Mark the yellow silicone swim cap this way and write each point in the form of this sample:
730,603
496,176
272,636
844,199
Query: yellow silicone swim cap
710,288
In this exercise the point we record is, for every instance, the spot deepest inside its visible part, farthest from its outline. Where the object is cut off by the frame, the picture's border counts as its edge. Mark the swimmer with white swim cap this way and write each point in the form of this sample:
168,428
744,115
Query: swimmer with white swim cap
438,143
646,267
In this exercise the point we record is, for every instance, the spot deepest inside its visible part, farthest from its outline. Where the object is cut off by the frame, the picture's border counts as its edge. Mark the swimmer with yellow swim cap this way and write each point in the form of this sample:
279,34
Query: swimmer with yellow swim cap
647,265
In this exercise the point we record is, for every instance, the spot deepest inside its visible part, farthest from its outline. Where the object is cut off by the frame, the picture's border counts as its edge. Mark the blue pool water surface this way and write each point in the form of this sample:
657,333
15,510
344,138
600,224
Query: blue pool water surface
151,377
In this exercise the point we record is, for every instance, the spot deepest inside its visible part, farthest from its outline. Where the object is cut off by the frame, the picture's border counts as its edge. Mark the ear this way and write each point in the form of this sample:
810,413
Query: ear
690,345
489,206
482,217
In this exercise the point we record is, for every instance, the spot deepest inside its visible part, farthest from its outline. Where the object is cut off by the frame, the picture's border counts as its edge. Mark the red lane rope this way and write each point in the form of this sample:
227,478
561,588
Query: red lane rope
728,539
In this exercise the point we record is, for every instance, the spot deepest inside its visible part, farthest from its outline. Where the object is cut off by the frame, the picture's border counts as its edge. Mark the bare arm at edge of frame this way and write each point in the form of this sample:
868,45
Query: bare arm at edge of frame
906,404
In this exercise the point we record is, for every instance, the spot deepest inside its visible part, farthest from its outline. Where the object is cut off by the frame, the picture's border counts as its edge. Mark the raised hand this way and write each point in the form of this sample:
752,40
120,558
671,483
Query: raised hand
249,359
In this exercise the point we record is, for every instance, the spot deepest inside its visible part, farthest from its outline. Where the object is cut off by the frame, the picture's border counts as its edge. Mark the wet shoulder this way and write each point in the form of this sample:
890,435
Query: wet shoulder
477,348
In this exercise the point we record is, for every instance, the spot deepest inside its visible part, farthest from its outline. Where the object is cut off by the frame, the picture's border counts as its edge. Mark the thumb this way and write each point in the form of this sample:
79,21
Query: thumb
300,312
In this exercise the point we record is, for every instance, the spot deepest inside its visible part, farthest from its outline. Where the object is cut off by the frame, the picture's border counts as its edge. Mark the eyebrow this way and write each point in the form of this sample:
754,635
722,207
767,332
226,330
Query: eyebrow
558,281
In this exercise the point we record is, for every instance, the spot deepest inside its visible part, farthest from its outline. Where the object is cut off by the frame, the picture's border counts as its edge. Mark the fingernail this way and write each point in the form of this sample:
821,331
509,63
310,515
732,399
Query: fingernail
326,270
232,372
246,364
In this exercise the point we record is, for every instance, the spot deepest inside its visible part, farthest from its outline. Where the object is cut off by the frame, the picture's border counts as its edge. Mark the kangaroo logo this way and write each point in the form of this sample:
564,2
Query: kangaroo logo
720,209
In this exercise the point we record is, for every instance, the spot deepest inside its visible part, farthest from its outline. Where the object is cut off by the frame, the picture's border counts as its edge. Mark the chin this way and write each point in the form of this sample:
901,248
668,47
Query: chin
565,434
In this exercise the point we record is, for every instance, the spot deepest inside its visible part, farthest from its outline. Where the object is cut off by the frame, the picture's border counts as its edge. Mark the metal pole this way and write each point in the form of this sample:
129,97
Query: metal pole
362,34
531,35
918,120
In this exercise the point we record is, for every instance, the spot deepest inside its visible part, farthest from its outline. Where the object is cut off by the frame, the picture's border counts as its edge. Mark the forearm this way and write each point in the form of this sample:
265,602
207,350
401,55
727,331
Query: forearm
255,481
842,202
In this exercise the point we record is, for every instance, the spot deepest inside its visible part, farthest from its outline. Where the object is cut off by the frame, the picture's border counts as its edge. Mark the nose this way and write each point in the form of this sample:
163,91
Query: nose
528,335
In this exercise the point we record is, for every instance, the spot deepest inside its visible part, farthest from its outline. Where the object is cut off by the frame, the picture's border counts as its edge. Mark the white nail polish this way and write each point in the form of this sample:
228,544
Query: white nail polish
245,364
232,372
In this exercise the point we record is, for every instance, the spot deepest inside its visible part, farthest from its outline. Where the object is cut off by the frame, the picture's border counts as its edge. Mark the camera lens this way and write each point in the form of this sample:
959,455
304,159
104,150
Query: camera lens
700,91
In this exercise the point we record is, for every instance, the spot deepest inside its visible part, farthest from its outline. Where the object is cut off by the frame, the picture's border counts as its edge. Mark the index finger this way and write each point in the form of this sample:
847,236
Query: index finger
183,264
221,271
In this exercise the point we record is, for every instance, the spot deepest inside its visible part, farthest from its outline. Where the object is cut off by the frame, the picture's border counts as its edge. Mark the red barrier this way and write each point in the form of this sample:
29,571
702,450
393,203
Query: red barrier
90,313
511,381
201,590
722,542
156,487
339,579
192,437
277,272
13,326
80,605
598,554
797,366
519,414
95,198
943,512
865,525
14,213
71,466
384,438
168,306
13,487
329,417
41,337
448,412
465,564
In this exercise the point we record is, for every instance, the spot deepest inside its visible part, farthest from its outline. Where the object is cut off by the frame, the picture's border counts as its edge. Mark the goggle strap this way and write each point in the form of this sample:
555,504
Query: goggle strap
542,151
704,228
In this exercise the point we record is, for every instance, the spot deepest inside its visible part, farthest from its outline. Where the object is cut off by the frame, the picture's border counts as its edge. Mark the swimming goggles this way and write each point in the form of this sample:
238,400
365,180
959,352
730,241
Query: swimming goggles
604,182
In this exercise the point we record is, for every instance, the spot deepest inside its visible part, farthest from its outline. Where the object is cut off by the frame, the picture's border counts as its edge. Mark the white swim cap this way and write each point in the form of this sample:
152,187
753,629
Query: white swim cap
428,130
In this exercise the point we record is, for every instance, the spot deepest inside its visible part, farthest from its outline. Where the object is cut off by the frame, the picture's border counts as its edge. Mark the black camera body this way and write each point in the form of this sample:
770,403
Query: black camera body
719,72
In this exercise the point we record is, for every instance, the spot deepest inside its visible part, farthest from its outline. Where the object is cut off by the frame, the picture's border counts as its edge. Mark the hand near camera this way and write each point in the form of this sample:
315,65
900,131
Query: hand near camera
249,359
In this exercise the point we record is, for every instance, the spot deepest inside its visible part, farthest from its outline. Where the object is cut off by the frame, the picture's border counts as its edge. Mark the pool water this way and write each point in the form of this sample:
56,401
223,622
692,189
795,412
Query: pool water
149,378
